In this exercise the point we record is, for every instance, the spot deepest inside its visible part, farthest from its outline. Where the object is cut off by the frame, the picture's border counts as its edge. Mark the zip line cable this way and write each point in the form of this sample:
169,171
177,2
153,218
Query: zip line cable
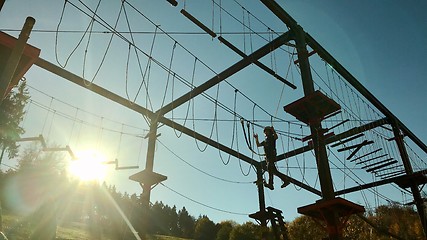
203,204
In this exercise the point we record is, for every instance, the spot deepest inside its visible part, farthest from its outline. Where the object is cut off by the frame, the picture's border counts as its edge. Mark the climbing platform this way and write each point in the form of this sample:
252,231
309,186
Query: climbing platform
321,208
313,107
148,178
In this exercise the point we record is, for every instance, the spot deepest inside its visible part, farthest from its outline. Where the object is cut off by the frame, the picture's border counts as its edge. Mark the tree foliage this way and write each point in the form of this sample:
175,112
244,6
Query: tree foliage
45,192
224,230
11,115
246,231
205,229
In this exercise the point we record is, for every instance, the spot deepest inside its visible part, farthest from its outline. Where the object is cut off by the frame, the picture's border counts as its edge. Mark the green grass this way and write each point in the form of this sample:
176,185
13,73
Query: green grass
161,237
15,227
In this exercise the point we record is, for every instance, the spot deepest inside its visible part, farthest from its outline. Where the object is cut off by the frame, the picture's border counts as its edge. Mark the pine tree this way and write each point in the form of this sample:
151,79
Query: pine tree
11,115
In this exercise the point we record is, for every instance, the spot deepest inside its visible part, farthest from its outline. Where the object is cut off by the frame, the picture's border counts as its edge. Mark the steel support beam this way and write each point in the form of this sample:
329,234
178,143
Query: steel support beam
139,109
261,196
377,183
258,63
269,47
419,202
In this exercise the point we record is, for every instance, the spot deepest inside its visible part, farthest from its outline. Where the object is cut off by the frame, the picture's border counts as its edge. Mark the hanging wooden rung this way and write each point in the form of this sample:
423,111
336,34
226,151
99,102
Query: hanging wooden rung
173,2
364,143
59,149
109,162
331,115
347,140
389,173
376,163
198,23
116,161
306,138
389,168
366,154
127,167
31,139
381,166
368,160
339,124
392,174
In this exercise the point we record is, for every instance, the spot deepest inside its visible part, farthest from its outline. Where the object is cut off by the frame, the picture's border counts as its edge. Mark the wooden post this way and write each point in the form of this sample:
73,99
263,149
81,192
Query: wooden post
14,58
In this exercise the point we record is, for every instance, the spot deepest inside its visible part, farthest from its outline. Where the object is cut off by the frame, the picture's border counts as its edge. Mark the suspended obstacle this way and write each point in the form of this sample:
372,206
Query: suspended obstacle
32,139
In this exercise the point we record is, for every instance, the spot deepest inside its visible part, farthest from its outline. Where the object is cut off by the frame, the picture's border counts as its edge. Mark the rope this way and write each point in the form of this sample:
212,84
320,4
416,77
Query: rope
109,42
247,140
202,204
200,170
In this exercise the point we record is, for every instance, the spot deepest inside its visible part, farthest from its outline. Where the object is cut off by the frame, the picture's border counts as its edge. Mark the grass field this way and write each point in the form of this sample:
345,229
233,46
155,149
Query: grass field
16,228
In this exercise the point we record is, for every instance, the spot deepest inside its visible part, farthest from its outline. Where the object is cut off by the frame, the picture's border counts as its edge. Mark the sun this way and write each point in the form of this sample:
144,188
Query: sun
89,166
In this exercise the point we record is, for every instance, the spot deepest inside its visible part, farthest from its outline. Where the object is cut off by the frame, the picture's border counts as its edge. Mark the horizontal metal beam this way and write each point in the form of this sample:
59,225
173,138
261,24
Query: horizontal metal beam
139,109
280,13
377,183
285,178
269,47
258,63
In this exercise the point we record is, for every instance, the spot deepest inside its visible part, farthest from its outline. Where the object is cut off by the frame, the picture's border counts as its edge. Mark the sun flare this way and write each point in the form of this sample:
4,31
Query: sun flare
89,166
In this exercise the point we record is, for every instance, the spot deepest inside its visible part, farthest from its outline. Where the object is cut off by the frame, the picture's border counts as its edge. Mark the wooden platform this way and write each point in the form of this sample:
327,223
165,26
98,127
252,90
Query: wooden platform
29,56
147,178
342,207
312,107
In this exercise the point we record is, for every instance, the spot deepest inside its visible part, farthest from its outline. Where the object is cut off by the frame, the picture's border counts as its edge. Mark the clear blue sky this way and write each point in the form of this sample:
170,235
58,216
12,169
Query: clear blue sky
382,43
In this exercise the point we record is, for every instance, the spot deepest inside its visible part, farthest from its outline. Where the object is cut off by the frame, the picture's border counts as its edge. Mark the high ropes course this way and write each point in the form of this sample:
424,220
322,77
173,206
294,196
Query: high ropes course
330,119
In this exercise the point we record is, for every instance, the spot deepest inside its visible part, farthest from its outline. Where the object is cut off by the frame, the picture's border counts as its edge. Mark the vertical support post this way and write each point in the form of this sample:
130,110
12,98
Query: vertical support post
261,196
1,4
319,143
14,58
149,165
408,169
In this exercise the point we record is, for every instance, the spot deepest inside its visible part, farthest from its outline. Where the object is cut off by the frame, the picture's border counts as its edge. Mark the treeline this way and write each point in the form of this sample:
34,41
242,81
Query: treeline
386,222
46,196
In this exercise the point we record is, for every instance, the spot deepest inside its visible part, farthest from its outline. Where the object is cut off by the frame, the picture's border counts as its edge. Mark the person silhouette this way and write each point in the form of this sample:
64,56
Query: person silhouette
269,145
